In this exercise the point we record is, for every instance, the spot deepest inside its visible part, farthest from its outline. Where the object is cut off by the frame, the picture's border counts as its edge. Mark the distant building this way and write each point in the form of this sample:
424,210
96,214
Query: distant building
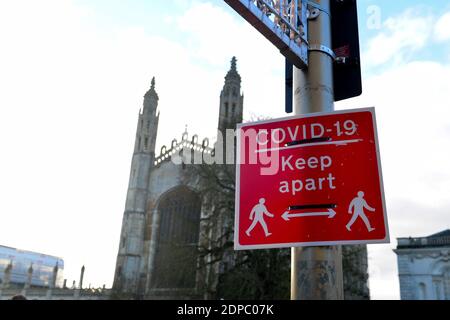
424,267
38,276
19,263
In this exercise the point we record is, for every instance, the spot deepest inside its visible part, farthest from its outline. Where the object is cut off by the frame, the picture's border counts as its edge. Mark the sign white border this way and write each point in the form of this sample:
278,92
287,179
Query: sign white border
238,246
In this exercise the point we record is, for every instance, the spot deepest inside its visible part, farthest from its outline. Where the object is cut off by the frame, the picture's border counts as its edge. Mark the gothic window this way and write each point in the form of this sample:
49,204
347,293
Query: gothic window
235,94
176,253
233,110
146,143
226,109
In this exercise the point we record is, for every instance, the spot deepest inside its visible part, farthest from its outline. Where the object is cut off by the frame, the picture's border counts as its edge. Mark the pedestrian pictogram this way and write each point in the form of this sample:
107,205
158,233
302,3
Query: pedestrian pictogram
356,208
257,216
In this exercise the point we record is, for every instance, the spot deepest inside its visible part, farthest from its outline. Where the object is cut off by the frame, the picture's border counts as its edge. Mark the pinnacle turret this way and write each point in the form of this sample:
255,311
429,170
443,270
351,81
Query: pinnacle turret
152,92
233,64
233,74
231,99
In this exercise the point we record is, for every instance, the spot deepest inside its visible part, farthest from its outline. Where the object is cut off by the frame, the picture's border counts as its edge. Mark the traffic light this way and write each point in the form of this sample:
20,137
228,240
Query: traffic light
345,39
347,66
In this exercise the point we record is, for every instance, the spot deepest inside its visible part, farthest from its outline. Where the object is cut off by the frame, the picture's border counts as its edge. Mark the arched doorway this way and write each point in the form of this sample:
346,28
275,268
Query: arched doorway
176,253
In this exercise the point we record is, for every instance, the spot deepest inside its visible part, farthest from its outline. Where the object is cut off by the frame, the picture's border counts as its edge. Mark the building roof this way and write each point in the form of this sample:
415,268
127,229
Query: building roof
440,239
445,233
14,251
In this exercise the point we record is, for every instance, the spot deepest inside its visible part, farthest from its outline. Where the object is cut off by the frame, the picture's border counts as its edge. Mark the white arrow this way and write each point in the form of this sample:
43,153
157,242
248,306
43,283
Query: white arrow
331,214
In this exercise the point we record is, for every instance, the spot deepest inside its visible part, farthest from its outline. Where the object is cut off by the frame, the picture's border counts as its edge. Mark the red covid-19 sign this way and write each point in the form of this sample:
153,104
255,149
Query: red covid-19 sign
309,181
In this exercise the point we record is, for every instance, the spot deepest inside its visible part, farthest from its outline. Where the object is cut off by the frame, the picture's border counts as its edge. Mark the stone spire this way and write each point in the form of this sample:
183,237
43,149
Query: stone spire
231,99
132,234
82,277
233,63
233,74
152,92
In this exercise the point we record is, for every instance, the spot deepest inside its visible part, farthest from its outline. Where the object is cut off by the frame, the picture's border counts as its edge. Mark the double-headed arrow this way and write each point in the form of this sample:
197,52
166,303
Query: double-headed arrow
330,213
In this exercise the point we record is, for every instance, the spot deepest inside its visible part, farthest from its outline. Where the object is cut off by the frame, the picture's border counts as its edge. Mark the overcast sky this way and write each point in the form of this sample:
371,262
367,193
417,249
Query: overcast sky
73,74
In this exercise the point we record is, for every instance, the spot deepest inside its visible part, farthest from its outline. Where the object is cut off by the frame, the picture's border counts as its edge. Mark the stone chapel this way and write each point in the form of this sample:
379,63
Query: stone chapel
161,225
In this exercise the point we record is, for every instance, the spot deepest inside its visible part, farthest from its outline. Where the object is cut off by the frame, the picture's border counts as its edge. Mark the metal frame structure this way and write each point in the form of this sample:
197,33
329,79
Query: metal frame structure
282,22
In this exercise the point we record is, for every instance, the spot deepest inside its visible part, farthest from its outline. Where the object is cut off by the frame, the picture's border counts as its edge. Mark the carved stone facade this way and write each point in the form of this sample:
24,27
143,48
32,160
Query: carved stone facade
424,267
161,226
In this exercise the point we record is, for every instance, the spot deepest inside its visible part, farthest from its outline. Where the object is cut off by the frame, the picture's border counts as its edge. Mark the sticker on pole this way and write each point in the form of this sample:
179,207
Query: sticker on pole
310,180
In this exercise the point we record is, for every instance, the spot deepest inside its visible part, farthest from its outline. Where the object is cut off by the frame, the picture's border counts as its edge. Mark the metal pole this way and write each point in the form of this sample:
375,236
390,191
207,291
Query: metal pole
316,272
